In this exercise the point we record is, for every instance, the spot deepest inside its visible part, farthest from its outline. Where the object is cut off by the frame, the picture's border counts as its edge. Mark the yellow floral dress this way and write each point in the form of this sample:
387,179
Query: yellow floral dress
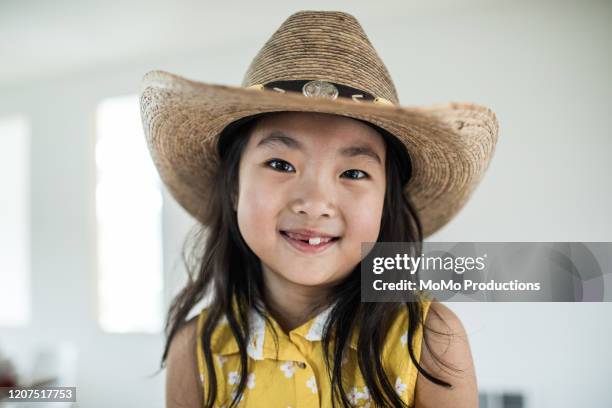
297,376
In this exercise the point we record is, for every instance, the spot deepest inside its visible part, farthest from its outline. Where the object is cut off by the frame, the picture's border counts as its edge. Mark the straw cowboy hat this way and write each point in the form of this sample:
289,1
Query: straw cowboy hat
317,61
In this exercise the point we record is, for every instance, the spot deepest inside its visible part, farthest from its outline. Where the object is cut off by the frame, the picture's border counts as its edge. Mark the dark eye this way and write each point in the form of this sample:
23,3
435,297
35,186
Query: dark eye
279,165
354,174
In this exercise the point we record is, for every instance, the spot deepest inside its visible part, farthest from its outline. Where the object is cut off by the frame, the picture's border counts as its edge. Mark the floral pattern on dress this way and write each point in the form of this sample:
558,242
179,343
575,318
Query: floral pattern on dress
400,387
221,359
404,339
251,381
233,377
288,368
357,394
312,384
300,384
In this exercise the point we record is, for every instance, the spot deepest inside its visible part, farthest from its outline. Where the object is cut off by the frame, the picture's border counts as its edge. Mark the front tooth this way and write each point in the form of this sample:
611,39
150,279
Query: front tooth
318,240
314,241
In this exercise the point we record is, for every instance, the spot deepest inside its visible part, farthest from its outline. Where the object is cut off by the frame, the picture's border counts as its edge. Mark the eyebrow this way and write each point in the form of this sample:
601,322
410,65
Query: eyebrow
276,137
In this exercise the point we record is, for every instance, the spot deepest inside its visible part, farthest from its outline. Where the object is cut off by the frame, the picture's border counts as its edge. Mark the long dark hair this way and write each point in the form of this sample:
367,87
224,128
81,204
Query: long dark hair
222,264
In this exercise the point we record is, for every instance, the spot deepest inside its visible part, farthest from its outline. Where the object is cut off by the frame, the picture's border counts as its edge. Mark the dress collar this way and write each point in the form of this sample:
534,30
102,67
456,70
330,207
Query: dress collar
261,344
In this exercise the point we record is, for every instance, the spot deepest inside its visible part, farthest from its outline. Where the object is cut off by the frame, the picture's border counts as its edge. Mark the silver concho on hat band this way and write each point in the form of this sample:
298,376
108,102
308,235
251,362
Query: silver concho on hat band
320,89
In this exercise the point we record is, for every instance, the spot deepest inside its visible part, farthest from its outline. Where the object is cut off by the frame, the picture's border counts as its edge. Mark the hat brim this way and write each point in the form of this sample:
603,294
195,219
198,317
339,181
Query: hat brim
451,145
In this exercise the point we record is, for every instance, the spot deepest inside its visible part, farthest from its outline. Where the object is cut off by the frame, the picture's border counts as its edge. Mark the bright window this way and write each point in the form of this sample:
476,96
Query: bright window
15,302
129,222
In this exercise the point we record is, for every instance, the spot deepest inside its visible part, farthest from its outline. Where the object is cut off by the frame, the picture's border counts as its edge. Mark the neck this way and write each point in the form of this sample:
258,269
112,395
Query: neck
289,303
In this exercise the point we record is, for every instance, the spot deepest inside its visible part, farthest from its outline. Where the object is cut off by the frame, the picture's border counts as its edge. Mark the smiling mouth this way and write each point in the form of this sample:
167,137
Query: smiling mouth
311,245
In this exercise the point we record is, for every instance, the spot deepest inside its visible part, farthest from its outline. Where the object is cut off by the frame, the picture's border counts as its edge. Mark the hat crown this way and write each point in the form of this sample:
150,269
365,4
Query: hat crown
322,45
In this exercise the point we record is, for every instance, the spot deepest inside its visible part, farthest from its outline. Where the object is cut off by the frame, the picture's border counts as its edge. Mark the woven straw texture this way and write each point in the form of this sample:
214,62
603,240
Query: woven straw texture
322,45
451,145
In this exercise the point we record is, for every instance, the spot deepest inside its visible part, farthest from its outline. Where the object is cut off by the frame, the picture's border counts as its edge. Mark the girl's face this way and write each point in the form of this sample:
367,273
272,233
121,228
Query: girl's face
305,176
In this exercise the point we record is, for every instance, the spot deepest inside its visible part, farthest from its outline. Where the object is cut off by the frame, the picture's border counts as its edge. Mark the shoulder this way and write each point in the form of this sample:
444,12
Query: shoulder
183,386
446,355
441,318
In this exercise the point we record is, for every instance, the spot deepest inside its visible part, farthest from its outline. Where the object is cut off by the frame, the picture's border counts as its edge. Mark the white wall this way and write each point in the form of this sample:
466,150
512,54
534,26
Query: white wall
546,71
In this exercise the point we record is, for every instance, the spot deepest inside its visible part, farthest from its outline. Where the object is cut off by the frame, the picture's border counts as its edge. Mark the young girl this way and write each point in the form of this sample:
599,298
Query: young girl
287,186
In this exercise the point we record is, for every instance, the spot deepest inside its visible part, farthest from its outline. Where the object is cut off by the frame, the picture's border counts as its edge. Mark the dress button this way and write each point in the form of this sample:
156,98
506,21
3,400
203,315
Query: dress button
301,364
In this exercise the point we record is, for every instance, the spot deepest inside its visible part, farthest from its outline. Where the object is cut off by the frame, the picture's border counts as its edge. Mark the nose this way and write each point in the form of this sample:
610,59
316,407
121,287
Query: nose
314,197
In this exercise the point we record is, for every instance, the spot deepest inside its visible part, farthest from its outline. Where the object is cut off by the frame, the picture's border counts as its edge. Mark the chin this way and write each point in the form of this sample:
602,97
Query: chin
308,278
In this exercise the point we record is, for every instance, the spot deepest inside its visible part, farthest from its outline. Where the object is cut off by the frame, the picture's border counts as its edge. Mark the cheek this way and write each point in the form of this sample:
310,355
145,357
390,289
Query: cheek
257,208
364,218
